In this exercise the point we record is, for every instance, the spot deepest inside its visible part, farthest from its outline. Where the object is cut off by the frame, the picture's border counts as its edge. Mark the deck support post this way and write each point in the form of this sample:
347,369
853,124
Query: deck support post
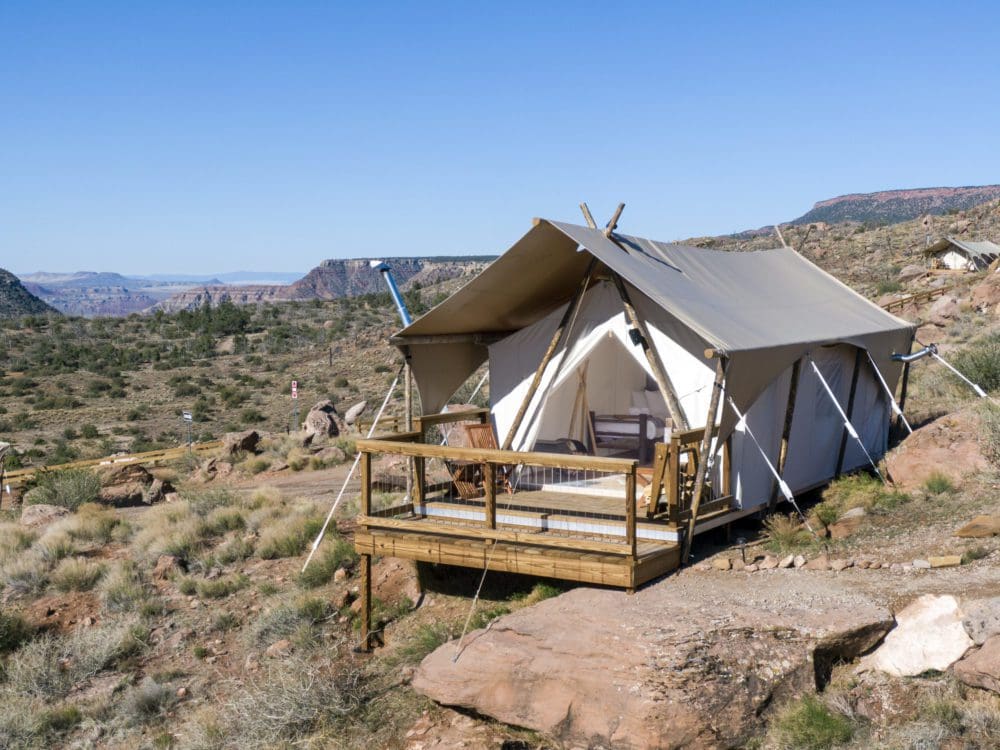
366,602
653,357
850,410
490,490
408,418
557,339
704,457
630,513
786,431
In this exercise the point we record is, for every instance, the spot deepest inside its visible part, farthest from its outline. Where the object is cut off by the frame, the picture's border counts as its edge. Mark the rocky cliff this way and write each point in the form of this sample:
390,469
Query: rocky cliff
890,206
333,279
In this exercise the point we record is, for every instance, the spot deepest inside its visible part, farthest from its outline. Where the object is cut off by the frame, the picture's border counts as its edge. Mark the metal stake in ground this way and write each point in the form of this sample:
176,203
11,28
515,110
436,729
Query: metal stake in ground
188,418
295,406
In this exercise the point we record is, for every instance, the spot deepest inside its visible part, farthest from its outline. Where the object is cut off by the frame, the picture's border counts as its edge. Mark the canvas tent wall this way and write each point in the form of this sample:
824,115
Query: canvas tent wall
761,310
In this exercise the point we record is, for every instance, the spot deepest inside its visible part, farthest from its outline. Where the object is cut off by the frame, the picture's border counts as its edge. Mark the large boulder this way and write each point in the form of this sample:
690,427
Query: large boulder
323,420
673,666
944,311
240,442
986,294
929,635
911,272
354,413
981,668
42,514
125,485
949,445
982,619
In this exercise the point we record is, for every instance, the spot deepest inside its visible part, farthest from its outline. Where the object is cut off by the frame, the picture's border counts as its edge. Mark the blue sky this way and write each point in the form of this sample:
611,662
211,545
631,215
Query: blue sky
204,137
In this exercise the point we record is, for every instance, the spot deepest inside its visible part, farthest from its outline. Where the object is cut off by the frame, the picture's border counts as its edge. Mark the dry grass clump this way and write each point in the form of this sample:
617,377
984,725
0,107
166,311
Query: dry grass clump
289,536
26,575
222,587
234,550
95,523
48,666
54,545
859,490
989,421
14,539
146,701
77,574
787,533
337,553
123,589
293,701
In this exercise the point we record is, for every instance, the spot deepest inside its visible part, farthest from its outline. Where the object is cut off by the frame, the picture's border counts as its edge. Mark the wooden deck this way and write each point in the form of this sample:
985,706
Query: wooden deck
568,517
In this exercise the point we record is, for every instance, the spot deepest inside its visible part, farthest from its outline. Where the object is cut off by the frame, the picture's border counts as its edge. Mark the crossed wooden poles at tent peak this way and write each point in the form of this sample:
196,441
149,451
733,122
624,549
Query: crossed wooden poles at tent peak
652,356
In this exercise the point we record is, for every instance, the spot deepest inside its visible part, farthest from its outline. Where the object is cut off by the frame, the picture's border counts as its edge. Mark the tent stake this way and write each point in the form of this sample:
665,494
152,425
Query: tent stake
659,373
557,338
704,459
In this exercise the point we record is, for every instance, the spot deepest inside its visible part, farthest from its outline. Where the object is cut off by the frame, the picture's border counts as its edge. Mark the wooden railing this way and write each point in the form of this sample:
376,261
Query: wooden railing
916,298
493,461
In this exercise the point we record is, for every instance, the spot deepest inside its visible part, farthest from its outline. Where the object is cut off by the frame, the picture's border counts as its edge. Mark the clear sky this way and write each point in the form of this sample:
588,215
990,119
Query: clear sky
211,136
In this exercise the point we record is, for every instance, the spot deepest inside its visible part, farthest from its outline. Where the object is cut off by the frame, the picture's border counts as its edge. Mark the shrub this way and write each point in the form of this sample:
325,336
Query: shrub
54,546
68,488
284,706
980,362
989,419
94,523
938,483
221,520
77,574
233,551
288,537
14,630
787,533
14,539
336,555
809,725
221,587
27,575
89,431
49,666
146,701
123,590
225,621
862,491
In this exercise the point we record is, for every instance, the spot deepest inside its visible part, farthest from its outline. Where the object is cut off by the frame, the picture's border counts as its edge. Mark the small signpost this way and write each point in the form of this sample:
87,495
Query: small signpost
188,418
295,405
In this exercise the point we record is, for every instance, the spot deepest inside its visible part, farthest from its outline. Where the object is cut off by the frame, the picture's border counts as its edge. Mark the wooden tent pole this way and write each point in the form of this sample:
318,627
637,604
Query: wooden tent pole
850,411
653,357
703,454
786,431
557,338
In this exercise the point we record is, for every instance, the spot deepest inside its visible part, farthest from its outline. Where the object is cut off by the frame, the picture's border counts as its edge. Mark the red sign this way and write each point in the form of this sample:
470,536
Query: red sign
295,389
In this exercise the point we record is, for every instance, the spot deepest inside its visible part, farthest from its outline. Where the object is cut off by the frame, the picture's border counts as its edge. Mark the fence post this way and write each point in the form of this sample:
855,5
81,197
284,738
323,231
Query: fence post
630,510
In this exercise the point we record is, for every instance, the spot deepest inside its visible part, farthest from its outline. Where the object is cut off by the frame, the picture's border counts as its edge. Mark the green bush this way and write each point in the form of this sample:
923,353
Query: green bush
810,725
338,553
14,630
938,483
221,587
68,488
980,362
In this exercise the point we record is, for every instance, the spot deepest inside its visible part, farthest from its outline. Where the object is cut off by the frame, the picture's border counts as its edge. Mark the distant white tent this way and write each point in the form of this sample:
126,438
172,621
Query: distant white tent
963,255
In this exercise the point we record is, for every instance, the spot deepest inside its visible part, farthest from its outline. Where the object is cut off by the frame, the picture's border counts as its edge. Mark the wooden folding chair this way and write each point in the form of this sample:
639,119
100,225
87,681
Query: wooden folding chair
483,436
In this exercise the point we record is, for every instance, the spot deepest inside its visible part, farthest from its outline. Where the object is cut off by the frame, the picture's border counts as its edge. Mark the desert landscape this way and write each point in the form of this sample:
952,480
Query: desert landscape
163,604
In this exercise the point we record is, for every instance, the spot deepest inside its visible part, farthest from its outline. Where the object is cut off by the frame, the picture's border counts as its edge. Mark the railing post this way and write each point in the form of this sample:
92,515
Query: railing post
419,480
490,488
366,602
674,480
366,483
630,510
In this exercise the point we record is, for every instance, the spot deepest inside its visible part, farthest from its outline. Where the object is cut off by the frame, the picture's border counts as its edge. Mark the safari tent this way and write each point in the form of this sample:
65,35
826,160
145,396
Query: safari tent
640,393
955,254
761,312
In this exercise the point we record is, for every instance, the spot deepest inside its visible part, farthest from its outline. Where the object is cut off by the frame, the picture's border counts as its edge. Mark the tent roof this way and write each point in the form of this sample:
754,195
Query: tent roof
985,250
734,301
767,306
